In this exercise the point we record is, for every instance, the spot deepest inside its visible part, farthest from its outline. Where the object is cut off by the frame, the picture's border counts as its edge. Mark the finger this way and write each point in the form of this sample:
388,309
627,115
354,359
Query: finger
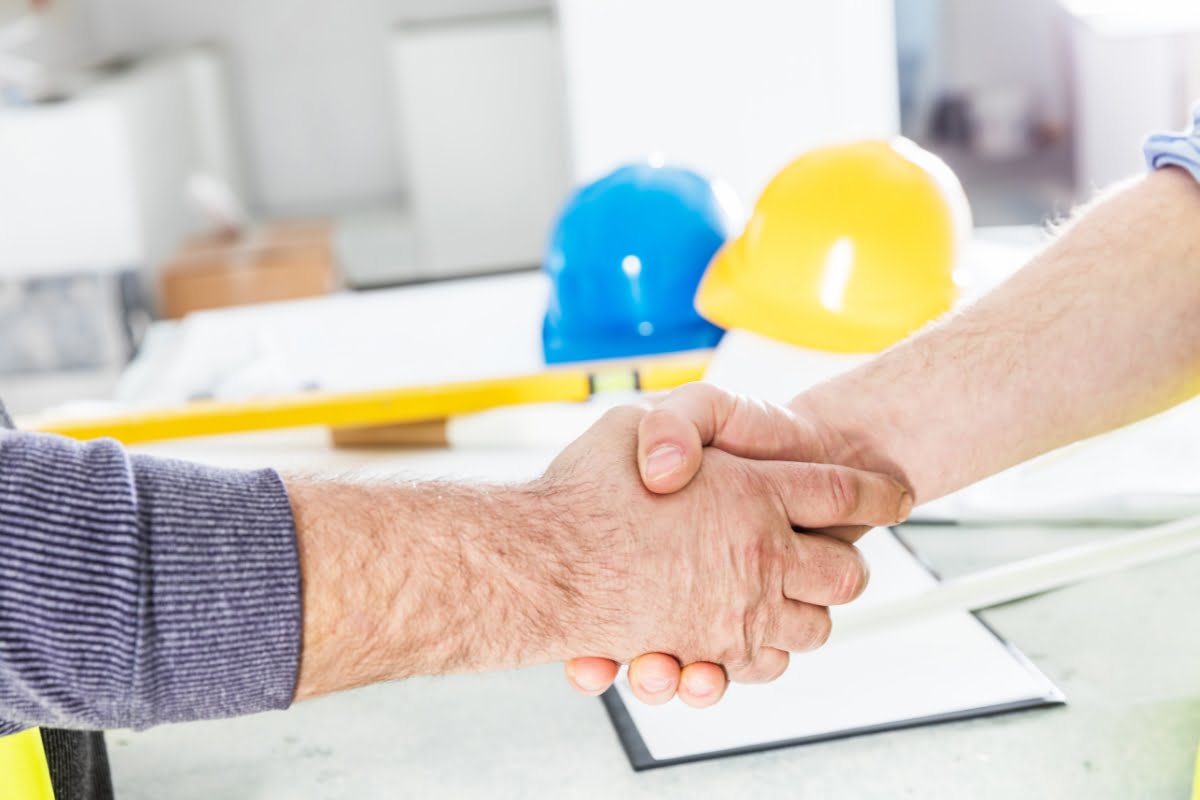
671,436
702,684
802,627
767,665
850,534
591,676
825,495
824,572
654,677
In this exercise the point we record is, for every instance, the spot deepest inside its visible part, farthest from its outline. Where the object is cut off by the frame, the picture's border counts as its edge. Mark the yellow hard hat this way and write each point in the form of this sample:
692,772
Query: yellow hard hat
850,248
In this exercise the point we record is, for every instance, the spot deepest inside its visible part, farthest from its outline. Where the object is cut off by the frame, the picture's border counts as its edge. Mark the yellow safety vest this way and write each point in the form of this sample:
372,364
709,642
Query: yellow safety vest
24,774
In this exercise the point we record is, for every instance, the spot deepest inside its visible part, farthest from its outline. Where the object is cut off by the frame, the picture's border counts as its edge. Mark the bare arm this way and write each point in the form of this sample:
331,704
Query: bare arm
403,580
1100,330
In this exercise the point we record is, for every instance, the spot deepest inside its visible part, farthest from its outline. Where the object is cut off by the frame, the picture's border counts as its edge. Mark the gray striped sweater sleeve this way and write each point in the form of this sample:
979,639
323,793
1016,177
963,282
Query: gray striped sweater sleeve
136,591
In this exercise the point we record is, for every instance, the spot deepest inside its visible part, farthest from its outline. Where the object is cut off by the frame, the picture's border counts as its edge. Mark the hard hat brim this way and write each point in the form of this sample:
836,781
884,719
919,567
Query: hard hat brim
722,301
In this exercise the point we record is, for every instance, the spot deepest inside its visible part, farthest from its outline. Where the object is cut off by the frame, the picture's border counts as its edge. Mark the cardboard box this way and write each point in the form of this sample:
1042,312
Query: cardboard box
278,261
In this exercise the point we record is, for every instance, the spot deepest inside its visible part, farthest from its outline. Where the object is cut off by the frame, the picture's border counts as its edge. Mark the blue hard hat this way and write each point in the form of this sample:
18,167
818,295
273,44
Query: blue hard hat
625,258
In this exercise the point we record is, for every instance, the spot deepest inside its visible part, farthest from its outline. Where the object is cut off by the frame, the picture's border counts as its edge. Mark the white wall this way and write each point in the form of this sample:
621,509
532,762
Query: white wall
736,88
480,105
1191,73
10,9
1128,83
64,33
97,183
312,85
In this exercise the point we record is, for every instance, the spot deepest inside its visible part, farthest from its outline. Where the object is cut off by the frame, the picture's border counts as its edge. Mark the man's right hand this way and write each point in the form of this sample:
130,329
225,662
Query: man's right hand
715,571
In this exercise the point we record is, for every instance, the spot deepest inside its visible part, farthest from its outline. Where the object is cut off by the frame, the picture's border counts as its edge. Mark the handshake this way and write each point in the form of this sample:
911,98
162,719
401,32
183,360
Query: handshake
705,539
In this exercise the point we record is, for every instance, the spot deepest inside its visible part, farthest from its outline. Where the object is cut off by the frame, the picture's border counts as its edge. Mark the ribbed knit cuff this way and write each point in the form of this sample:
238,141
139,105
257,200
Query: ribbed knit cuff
136,591
220,630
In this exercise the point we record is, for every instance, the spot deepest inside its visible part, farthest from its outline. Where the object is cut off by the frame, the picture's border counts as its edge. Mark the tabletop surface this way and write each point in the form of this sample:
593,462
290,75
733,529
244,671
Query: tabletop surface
1122,648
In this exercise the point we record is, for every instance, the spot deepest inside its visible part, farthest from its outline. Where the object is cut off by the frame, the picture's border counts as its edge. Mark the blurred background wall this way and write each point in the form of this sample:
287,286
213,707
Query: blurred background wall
312,85
421,139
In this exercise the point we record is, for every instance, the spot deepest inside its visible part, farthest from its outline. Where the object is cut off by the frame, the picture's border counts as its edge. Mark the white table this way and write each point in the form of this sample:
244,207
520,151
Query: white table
1124,649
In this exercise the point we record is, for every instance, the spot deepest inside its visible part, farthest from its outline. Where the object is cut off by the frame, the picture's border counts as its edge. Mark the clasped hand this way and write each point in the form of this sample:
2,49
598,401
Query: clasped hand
728,551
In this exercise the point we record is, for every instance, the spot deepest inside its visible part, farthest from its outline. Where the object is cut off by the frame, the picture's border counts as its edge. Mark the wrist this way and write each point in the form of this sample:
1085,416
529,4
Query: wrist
499,585
583,545
533,557
852,436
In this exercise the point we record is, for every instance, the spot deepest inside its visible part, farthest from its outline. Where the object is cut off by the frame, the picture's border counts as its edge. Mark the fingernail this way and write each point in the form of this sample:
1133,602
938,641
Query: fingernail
583,683
906,506
699,688
589,686
664,460
654,683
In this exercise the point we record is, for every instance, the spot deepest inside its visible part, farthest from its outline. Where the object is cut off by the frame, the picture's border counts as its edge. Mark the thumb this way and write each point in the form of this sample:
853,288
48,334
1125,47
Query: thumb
672,436
669,450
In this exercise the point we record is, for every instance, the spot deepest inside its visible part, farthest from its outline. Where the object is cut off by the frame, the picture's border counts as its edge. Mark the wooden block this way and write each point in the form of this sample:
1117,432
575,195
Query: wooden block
431,433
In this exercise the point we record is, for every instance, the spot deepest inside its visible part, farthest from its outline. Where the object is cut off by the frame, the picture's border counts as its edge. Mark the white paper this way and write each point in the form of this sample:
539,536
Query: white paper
951,664
752,364
1143,474
391,338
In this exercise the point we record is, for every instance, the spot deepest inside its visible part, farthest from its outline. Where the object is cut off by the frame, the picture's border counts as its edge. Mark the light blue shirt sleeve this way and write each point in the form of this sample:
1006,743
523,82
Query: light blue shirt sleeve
1176,149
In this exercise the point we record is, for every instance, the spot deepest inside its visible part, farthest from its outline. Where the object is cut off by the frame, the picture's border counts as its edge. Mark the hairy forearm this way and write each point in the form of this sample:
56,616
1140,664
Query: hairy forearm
403,580
1101,329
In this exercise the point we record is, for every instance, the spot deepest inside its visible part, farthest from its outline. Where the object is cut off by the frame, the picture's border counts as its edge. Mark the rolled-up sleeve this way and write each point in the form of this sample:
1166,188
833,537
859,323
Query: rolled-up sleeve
136,591
1181,149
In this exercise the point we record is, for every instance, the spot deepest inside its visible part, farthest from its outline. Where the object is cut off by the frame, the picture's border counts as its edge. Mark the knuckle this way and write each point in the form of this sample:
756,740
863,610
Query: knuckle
738,651
852,580
737,659
818,631
763,669
756,559
702,391
622,415
756,621
741,652
753,673
723,641
658,422
843,491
